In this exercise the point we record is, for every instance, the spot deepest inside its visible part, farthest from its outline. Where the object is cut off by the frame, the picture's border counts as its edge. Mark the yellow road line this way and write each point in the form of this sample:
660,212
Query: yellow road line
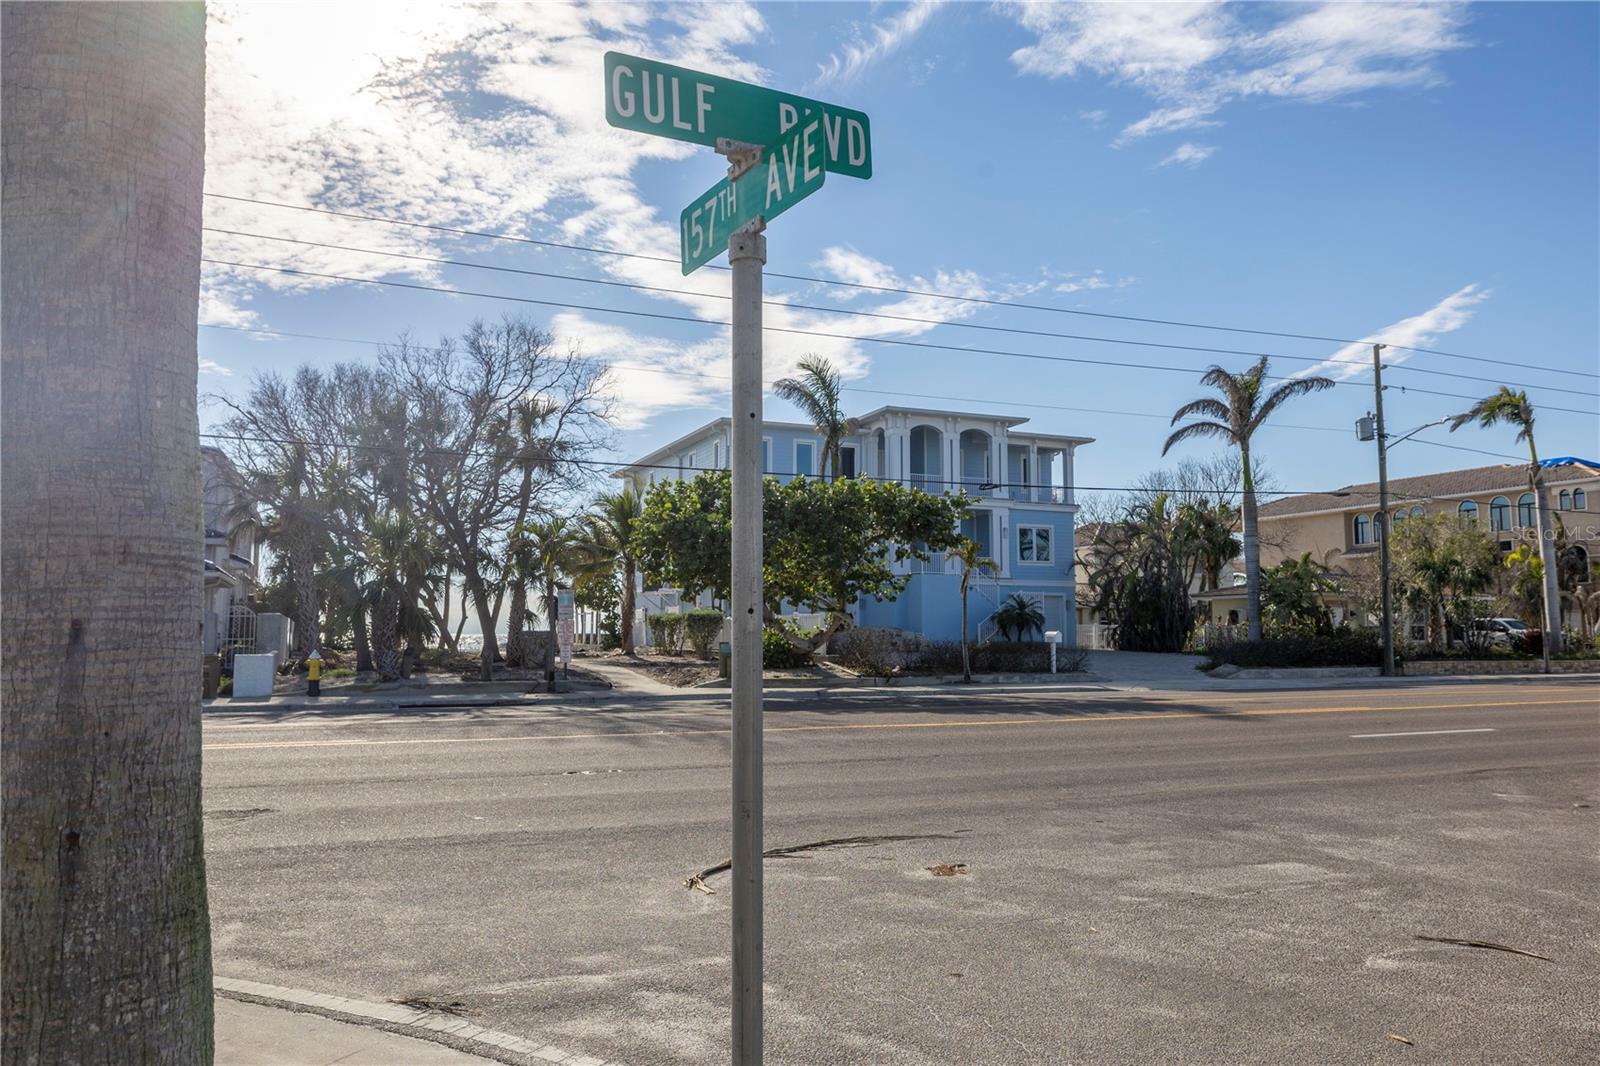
1163,698
843,726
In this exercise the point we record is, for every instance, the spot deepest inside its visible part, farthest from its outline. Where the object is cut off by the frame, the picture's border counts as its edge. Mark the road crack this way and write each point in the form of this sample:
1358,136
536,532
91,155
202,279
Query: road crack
698,881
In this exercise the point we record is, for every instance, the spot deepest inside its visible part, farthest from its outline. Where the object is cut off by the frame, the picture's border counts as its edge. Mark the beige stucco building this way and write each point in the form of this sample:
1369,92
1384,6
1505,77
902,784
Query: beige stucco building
1340,527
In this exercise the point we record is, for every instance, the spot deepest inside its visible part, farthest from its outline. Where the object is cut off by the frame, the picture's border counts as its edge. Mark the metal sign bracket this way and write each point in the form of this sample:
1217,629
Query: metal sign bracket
742,155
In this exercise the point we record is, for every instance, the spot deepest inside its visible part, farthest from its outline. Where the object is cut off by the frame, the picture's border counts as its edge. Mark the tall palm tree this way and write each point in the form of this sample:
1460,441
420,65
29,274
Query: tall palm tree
612,522
1244,407
107,952
1206,530
816,392
545,553
1513,409
972,564
531,453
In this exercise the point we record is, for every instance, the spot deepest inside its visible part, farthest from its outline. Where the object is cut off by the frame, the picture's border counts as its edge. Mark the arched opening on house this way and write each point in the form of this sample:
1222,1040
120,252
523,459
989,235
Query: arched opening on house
1580,500
927,452
977,459
1565,503
1526,511
1499,514
1468,512
1361,530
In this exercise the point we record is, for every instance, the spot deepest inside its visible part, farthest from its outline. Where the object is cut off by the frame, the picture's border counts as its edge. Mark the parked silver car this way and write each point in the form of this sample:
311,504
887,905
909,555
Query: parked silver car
1499,632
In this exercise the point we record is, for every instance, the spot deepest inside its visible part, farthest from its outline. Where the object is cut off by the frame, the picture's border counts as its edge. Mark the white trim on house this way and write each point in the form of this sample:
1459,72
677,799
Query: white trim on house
812,444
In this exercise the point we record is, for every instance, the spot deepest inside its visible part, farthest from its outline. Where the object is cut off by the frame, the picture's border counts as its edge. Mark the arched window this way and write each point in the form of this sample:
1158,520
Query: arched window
1580,500
1468,512
1363,529
1416,511
1499,513
1525,511
1566,501
1399,516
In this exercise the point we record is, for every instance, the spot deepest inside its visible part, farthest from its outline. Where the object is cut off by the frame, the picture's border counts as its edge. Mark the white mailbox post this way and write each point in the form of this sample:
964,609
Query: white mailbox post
1052,637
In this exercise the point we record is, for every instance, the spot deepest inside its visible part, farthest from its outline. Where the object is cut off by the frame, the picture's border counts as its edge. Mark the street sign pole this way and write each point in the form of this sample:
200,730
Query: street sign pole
747,254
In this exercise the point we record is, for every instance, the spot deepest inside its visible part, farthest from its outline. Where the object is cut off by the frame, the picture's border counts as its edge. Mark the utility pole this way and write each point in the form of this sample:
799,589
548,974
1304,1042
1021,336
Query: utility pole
1381,526
747,253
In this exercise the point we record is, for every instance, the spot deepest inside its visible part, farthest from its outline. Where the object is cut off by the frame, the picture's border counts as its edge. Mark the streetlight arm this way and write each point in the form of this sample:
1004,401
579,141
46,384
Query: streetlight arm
1407,436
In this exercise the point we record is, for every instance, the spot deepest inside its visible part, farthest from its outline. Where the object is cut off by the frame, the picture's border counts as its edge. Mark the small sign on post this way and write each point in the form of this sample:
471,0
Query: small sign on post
566,613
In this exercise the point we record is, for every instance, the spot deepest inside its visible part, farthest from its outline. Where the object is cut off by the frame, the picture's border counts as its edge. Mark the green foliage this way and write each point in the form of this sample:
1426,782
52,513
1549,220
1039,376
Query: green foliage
1020,615
870,652
702,626
1342,647
667,631
1011,657
826,543
602,593
1139,568
1525,583
1291,596
778,652
1439,565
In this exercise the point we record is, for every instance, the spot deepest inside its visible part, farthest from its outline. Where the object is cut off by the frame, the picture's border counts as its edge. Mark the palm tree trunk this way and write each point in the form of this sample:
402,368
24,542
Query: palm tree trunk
386,635
966,655
106,940
1252,550
626,607
1552,567
303,572
515,625
486,622
358,623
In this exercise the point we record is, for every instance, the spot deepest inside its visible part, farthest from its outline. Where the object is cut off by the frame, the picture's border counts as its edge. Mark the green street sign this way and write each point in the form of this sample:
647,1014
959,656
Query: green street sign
790,170
649,96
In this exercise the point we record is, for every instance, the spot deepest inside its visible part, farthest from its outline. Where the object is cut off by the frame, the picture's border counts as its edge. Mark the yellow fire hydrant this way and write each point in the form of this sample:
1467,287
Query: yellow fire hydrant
314,674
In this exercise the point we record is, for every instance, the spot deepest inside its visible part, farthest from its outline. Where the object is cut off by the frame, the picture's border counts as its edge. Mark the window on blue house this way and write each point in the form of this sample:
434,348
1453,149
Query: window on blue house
1033,544
766,455
805,458
978,527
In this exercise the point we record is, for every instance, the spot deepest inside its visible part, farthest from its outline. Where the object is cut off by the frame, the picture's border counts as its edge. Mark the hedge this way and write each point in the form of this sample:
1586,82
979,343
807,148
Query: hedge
702,626
1347,647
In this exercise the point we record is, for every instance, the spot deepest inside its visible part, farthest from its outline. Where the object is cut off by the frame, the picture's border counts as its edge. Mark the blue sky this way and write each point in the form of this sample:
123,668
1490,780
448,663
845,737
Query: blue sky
1427,174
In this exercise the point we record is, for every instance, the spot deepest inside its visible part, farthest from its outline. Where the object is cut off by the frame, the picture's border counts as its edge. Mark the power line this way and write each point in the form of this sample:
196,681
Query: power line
718,380
622,464
899,290
861,313
925,345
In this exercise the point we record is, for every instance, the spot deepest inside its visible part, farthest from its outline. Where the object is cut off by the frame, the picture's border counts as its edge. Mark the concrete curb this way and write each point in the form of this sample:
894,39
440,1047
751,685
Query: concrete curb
435,1026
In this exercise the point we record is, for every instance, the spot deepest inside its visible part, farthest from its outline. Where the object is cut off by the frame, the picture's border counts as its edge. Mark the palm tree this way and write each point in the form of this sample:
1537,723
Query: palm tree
816,393
1513,409
401,561
545,553
966,553
1019,614
612,521
1206,530
1241,411
107,949
531,454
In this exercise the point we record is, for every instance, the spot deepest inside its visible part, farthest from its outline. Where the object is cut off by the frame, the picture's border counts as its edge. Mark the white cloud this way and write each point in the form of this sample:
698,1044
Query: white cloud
211,366
486,118
1189,155
870,46
1097,117
1193,59
1446,316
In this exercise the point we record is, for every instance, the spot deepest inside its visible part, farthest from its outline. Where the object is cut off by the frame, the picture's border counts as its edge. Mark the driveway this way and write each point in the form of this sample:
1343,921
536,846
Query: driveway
1141,668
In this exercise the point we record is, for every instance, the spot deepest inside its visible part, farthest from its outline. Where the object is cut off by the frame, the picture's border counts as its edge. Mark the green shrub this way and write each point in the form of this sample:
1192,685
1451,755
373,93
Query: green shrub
1343,647
666,630
702,626
999,657
869,652
778,654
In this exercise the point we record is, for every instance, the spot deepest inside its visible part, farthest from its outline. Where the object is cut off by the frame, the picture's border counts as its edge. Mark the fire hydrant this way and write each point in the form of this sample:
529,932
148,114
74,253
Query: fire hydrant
314,674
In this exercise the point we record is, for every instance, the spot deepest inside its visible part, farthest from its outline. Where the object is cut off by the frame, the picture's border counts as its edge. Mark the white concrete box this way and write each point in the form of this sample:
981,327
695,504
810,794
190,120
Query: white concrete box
252,676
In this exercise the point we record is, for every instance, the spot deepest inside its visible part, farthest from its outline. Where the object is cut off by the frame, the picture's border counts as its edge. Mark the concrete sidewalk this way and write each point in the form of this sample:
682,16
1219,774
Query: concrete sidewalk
250,1034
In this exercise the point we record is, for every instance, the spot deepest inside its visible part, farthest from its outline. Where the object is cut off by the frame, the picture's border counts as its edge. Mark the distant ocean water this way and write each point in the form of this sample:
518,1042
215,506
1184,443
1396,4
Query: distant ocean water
470,643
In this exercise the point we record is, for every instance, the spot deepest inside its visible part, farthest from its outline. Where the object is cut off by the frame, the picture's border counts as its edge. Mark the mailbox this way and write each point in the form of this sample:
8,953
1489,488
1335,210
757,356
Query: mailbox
1052,636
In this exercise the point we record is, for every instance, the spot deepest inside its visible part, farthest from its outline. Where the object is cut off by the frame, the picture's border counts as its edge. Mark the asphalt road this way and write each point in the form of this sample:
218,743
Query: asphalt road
1148,878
